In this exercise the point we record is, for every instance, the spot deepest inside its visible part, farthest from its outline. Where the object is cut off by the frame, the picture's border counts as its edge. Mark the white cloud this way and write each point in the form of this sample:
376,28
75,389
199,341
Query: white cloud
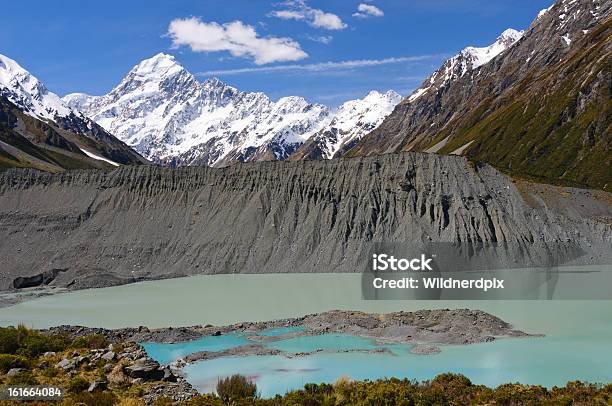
325,20
323,39
288,15
368,10
299,10
237,38
322,66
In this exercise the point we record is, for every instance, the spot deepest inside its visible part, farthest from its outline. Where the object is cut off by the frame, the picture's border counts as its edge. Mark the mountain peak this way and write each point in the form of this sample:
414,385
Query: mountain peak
375,95
510,34
27,92
165,113
160,65
482,55
468,59
13,75
9,65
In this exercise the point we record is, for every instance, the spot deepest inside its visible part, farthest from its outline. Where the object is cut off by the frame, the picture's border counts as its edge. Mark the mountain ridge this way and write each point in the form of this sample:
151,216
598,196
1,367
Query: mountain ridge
164,112
539,110
38,120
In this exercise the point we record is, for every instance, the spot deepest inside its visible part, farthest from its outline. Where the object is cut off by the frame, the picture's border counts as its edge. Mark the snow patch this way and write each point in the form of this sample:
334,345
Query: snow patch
418,93
567,39
98,157
542,12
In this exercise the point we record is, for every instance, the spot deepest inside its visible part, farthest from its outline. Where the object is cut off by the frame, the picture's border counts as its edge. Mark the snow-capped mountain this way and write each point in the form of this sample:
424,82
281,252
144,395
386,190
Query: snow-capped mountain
166,114
27,92
466,60
66,129
352,120
536,110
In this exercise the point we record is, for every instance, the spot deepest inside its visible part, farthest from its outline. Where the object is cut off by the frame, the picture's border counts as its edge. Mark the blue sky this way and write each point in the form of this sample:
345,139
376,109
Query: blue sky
87,46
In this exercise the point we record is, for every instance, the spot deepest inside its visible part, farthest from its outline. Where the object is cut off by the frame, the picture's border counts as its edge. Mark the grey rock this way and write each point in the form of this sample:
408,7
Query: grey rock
128,355
15,371
146,369
98,386
425,349
66,364
109,356
169,375
81,360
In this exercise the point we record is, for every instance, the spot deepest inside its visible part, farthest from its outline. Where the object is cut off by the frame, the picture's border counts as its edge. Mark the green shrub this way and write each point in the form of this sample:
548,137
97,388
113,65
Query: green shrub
163,401
203,400
94,399
22,378
50,372
77,384
10,338
9,361
235,388
29,343
90,341
36,344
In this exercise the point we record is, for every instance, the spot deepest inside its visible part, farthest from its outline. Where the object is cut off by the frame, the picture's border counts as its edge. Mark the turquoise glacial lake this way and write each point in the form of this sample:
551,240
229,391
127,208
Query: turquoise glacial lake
577,345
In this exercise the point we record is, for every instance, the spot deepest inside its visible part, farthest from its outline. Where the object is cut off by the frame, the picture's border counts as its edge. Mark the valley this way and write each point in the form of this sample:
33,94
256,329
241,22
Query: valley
173,231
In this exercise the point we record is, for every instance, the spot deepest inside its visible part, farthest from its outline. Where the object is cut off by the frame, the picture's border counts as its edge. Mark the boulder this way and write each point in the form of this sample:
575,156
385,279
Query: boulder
147,369
116,375
109,356
15,371
81,360
168,375
97,386
125,355
66,364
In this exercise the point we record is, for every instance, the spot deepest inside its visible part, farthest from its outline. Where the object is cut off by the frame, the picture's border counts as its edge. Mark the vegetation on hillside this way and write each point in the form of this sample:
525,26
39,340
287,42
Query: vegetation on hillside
561,137
445,389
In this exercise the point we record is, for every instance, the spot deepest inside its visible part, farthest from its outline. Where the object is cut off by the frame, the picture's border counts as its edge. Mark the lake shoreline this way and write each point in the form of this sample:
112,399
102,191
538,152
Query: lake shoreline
425,329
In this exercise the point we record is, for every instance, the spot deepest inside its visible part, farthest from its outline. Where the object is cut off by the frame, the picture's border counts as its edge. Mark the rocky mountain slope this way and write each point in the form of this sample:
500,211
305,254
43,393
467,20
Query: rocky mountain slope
541,109
98,228
468,59
166,114
39,130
